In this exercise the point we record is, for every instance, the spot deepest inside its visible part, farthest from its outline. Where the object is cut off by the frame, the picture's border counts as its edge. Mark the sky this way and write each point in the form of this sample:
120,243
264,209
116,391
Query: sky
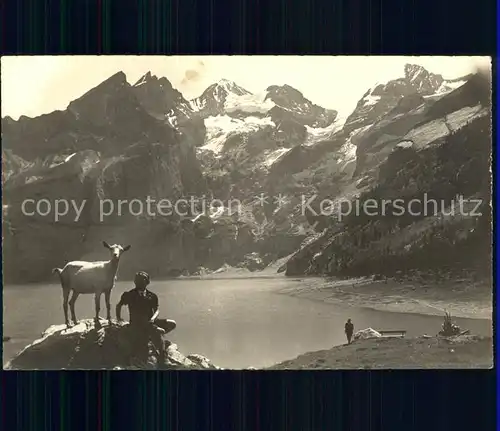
35,85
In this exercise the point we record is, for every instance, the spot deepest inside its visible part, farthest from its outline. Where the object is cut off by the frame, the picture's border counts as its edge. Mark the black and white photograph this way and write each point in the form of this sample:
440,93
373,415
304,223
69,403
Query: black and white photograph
246,212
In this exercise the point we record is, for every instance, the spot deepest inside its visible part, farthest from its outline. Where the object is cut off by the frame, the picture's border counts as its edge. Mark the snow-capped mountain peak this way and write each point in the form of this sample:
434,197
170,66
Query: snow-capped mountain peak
416,85
413,70
219,97
231,87
222,88
421,79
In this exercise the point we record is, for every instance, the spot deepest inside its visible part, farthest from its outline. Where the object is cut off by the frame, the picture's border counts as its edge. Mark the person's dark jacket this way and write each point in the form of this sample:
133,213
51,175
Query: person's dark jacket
349,328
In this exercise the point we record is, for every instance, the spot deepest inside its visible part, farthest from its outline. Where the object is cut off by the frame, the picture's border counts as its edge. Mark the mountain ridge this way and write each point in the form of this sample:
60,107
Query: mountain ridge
122,140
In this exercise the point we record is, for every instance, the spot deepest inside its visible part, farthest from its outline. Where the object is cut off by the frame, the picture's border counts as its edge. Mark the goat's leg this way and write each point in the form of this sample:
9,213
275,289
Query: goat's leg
72,301
65,306
107,296
97,299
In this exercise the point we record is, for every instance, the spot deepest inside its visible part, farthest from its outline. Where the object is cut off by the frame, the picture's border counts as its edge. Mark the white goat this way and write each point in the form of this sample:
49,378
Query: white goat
90,277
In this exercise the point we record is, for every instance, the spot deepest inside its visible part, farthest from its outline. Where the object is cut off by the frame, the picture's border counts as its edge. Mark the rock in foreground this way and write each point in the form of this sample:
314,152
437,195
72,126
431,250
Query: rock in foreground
365,334
110,347
400,353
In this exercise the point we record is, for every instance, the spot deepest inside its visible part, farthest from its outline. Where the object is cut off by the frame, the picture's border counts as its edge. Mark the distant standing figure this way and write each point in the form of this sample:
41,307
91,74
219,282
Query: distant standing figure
349,330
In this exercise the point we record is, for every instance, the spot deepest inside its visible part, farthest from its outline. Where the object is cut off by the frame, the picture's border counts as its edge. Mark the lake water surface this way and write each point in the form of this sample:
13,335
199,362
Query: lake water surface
236,323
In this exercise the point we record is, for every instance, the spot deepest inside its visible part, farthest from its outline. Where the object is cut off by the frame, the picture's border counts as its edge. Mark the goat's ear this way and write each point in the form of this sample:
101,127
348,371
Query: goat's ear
127,247
105,244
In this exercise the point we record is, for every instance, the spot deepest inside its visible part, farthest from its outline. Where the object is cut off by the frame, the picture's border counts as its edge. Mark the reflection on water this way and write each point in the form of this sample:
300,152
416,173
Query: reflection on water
237,323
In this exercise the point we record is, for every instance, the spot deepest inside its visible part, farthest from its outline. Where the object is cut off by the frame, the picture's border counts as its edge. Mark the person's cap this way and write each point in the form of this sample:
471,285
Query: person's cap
144,275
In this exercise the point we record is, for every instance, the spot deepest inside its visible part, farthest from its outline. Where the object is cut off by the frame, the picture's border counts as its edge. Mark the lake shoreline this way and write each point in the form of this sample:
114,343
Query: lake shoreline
459,298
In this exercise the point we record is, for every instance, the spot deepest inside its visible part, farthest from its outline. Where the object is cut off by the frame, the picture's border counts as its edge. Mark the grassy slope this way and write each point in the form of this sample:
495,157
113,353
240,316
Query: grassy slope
391,353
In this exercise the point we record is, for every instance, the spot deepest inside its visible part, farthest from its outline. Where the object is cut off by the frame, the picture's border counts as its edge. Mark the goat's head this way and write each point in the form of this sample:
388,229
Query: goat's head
116,250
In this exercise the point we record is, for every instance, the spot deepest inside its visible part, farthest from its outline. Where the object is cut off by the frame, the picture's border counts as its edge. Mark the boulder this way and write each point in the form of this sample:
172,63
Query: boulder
367,333
111,346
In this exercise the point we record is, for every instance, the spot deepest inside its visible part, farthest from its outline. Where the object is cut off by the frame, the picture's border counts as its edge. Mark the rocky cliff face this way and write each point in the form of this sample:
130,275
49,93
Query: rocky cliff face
438,152
160,99
11,165
291,103
382,98
110,347
104,147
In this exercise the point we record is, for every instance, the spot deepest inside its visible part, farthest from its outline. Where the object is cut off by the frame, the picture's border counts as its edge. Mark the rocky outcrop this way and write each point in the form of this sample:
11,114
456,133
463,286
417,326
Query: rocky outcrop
111,347
35,138
11,165
383,98
291,103
158,97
